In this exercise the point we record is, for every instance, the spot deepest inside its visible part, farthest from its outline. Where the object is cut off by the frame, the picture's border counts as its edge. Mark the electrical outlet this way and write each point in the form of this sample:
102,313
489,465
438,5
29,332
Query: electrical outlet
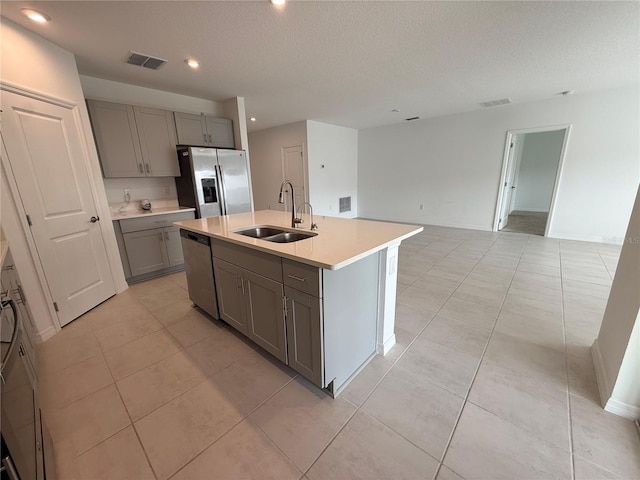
127,194
421,206
165,190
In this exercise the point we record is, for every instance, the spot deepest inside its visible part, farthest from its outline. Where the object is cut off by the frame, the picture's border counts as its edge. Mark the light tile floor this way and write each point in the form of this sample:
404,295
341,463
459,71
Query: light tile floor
491,377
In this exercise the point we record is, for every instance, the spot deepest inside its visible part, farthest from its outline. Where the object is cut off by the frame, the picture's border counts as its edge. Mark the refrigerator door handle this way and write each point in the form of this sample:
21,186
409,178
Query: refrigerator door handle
222,191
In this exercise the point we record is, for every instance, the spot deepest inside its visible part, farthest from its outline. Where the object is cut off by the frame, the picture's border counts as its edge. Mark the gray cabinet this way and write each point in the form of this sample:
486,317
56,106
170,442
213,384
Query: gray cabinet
265,313
204,130
146,250
150,246
230,295
304,334
252,304
134,141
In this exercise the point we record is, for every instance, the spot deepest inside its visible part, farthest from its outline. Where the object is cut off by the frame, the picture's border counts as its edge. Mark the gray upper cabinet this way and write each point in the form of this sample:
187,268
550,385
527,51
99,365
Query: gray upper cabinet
203,130
114,128
157,133
134,141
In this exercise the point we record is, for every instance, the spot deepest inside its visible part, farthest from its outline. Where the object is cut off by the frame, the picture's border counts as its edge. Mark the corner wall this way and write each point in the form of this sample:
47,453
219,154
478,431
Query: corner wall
266,161
333,168
452,165
617,367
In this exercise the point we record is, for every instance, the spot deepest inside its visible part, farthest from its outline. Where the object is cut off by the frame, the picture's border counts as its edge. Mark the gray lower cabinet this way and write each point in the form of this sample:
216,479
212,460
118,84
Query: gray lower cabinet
304,334
252,304
150,246
230,296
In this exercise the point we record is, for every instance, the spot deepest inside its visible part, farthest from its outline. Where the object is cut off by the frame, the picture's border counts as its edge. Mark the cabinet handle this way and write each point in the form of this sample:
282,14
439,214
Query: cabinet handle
161,235
242,283
300,279
140,169
146,166
205,137
166,236
284,306
210,141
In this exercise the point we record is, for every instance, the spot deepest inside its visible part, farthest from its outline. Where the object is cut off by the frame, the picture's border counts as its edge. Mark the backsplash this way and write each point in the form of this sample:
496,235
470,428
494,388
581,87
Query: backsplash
163,188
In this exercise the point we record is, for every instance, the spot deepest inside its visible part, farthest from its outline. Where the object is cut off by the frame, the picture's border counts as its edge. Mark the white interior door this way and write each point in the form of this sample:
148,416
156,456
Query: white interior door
509,183
47,158
294,171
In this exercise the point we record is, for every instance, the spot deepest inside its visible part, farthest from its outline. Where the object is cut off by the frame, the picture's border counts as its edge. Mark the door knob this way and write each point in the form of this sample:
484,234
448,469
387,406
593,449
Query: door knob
94,219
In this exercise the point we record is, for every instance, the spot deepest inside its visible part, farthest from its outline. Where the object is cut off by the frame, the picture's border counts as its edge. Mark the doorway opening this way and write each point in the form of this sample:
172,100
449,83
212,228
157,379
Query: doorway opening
293,169
529,181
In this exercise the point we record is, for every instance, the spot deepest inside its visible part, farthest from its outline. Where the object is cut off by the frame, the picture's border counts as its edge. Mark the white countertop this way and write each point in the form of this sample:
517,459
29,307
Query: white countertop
116,215
340,241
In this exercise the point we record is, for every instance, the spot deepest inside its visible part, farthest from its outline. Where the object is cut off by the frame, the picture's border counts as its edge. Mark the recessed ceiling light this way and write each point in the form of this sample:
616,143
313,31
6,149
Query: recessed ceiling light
192,63
35,15
278,3
253,119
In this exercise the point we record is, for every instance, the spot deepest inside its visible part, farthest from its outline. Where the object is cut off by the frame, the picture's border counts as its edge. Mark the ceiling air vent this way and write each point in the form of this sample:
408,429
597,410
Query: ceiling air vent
143,60
495,103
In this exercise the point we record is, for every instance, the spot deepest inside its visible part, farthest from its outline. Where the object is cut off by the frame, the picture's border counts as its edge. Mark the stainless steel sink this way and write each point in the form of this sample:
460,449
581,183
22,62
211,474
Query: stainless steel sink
260,232
274,234
288,237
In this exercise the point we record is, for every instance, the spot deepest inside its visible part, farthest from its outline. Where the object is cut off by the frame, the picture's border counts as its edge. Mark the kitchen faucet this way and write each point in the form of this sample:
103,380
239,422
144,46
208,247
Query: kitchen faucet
294,221
313,225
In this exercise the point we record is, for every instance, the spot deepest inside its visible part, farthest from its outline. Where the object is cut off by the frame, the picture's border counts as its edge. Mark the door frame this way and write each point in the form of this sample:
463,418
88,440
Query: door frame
99,196
305,173
505,161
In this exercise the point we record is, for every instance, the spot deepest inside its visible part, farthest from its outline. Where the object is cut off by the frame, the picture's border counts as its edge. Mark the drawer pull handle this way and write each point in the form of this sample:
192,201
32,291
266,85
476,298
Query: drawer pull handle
300,279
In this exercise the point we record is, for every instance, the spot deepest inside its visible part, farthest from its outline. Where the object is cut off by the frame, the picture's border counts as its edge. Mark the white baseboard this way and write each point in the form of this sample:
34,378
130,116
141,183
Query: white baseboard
580,238
604,388
631,412
383,348
45,334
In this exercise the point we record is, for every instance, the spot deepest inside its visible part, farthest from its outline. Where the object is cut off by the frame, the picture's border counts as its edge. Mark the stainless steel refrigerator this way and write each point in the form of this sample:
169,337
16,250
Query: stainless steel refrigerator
214,181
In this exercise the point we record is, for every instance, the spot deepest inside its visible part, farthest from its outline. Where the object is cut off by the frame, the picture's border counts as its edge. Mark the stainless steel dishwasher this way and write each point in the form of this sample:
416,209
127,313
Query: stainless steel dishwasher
198,266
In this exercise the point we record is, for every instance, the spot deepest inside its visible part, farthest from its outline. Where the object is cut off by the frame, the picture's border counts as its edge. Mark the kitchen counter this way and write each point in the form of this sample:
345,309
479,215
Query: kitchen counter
340,241
115,215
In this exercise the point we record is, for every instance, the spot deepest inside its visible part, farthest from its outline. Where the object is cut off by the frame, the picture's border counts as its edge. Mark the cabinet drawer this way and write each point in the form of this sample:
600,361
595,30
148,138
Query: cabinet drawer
306,278
261,263
154,221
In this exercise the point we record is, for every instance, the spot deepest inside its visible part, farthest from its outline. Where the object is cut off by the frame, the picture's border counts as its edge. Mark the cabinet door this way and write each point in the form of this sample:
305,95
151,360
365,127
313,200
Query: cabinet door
191,129
220,132
114,128
174,245
265,313
146,251
230,294
157,132
304,335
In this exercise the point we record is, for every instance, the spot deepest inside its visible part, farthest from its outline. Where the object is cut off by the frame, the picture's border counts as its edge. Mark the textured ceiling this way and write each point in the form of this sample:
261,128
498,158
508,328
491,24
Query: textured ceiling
351,63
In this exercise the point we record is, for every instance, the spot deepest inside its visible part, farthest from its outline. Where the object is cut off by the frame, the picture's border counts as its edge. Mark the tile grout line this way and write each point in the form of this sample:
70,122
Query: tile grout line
475,374
566,372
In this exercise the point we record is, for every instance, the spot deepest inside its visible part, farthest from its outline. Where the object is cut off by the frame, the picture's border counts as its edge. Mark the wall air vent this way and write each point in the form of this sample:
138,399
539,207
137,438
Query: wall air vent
495,103
412,118
344,204
144,60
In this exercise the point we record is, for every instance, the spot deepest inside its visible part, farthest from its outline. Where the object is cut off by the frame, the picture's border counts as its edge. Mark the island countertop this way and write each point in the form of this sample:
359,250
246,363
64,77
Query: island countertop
340,241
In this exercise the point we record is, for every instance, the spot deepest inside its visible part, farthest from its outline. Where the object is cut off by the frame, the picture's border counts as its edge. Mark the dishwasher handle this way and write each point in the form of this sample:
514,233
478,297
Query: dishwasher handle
195,237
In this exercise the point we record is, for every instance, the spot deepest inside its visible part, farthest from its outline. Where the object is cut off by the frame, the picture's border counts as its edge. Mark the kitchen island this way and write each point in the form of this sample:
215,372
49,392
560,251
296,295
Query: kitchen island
324,305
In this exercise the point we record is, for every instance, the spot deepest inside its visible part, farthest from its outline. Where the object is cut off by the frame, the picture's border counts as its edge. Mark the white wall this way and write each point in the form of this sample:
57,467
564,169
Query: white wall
620,317
333,168
31,63
452,164
266,161
537,172
626,392
110,91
